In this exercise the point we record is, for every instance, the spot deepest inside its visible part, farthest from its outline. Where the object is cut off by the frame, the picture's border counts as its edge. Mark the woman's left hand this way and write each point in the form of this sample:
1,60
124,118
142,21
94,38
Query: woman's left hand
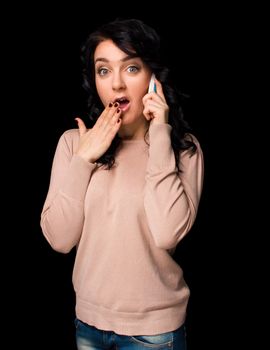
155,106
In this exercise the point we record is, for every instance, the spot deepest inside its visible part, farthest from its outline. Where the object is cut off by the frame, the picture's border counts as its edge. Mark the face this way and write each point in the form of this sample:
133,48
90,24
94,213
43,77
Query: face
122,78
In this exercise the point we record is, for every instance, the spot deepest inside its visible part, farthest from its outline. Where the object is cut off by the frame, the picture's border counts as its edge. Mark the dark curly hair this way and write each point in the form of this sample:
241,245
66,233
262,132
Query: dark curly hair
135,38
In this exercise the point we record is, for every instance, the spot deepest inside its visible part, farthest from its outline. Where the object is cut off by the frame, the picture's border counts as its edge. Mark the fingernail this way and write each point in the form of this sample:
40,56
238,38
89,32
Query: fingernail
110,104
116,104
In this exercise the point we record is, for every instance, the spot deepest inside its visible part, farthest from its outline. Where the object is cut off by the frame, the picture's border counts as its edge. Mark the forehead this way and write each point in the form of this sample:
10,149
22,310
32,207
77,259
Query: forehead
107,49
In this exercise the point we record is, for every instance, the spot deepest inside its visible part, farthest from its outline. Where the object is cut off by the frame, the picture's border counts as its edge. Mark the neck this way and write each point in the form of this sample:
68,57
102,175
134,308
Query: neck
134,132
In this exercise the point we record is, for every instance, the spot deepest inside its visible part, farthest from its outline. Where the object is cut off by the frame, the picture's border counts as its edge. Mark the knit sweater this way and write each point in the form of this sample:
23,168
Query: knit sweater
125,223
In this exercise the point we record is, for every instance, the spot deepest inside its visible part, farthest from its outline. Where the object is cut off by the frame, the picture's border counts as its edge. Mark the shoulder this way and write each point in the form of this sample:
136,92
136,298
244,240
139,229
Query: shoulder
70,139
192,158
193,139
71,134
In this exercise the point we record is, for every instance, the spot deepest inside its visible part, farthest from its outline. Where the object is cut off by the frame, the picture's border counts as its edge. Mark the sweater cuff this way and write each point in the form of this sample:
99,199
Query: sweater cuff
160,151
78,177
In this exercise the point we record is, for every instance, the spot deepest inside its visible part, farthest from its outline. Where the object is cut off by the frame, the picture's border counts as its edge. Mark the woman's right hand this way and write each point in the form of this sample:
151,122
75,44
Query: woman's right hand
96,141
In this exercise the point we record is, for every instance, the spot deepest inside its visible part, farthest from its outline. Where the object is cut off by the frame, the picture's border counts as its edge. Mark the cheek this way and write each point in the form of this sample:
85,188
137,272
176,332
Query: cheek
139,92
139,97
101,90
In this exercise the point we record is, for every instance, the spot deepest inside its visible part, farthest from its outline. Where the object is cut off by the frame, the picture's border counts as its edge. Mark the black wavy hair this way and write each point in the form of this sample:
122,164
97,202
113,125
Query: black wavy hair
135,38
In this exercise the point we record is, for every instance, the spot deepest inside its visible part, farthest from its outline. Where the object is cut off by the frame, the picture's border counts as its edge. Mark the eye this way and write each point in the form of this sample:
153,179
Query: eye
102,71
132,69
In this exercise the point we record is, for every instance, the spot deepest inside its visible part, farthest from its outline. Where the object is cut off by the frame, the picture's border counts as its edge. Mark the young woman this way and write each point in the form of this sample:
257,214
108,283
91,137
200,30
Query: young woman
125,191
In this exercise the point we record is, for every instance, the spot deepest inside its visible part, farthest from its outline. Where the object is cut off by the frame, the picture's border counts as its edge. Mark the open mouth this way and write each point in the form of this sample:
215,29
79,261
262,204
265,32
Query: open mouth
123,103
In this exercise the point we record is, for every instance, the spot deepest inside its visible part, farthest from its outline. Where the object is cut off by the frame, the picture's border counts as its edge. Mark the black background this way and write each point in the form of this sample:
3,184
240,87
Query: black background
47,96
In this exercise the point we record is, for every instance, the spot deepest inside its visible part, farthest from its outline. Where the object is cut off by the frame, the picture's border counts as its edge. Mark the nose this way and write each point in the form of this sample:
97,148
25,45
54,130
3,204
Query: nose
118,82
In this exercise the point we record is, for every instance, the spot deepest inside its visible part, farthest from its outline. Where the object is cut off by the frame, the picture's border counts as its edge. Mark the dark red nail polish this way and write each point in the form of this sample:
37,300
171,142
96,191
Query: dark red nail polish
110,104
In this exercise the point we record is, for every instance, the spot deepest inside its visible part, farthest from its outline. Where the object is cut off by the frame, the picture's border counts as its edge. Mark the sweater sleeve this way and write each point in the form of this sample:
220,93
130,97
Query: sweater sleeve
62,216
171,198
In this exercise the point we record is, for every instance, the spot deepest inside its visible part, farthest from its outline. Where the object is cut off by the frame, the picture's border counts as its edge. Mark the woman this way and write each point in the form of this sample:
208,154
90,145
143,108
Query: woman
125,192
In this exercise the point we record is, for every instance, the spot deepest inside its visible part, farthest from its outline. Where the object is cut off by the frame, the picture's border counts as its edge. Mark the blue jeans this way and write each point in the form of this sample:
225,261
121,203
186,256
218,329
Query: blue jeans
91,338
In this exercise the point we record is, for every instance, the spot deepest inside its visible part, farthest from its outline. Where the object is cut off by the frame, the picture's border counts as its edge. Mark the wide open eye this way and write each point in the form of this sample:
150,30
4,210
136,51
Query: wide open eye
133,69
102,71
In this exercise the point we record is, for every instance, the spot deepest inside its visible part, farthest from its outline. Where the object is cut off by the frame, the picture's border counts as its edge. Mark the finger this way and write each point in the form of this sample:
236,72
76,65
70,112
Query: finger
153,105
112,111
152,96
81,126
113,131
107,114
110,133
113,120
148,113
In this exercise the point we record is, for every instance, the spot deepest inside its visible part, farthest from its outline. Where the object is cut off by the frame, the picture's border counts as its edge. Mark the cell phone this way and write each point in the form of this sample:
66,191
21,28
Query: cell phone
152,85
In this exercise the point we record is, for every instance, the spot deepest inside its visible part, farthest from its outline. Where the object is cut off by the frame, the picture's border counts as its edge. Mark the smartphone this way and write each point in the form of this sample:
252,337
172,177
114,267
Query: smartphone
152,85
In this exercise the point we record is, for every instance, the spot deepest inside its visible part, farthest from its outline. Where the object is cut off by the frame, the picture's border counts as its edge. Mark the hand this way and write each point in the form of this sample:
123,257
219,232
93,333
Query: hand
95,142
155,107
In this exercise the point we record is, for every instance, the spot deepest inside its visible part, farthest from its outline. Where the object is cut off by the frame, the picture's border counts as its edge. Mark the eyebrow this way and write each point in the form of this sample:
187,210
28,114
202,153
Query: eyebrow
124,59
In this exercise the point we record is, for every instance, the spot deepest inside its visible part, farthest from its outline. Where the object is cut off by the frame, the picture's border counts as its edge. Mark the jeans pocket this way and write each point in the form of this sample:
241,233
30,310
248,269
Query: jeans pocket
154,341
81,326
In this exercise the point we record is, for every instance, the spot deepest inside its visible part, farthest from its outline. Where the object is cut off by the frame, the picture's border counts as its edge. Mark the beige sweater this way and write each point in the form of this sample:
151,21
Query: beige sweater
126,223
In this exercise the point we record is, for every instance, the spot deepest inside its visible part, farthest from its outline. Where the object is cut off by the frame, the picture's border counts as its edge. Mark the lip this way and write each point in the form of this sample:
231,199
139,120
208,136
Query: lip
120,98
125,108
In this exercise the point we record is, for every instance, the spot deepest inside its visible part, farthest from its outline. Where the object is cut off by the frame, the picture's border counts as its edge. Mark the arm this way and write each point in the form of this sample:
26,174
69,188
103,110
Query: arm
62,216
171,199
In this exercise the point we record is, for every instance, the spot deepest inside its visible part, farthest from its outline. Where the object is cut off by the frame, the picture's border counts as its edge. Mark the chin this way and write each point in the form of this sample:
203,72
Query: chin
130,118
126,119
